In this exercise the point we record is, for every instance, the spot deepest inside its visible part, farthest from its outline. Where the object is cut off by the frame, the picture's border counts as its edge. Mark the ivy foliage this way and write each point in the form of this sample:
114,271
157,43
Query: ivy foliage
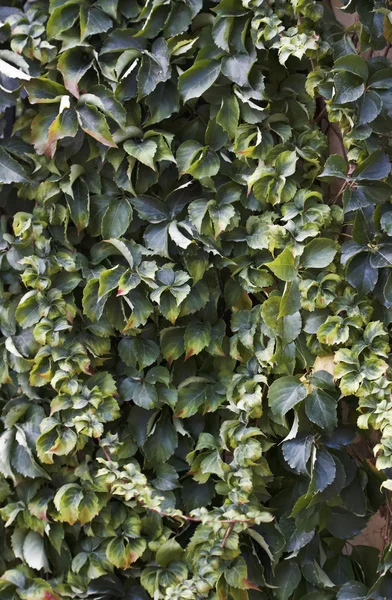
196,299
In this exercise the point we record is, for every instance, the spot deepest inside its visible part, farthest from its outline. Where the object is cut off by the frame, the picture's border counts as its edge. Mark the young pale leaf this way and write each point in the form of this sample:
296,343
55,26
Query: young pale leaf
34,551
283,266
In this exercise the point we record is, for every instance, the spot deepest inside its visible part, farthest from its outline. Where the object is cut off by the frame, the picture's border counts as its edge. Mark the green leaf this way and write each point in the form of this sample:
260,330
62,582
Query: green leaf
381,79
321,409
197,337
333,331
190,398
237,573
88,507
348,87
221,216
284,394
154,69
34,551
324,471
228,115
318,253
6,442
162,441
44,91
61,19
361,274
377,166
93,304
142,393
116,553
353,590
143,150
285,164
283,266
162,102
212,464
297,453
291,299
141,309
352,63
10,170
237,67
198,79
335,166
123,249
79,204
345,525
64,125
28,310
67,501
370,107
73,64
94,124
92,21
169,551
117,218
138,351
205,166
152,210
172,343
287,577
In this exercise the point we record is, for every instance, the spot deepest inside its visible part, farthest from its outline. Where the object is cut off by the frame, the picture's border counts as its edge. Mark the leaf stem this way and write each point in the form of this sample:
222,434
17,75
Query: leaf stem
228,532
183,517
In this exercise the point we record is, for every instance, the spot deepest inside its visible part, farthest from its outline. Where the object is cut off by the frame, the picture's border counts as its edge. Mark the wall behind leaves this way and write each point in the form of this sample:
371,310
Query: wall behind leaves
196,299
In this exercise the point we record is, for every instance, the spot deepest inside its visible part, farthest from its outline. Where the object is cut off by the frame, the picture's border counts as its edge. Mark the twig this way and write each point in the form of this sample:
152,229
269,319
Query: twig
340,137
340,192
320,115
183,517
194,519
106,453
228,532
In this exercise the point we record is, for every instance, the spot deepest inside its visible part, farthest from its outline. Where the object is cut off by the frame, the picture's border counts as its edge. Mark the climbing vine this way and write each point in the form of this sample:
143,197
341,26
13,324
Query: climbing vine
195,299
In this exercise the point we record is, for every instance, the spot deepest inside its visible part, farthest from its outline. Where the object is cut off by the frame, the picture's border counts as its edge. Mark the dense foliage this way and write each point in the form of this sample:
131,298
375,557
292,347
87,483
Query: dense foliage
196,299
